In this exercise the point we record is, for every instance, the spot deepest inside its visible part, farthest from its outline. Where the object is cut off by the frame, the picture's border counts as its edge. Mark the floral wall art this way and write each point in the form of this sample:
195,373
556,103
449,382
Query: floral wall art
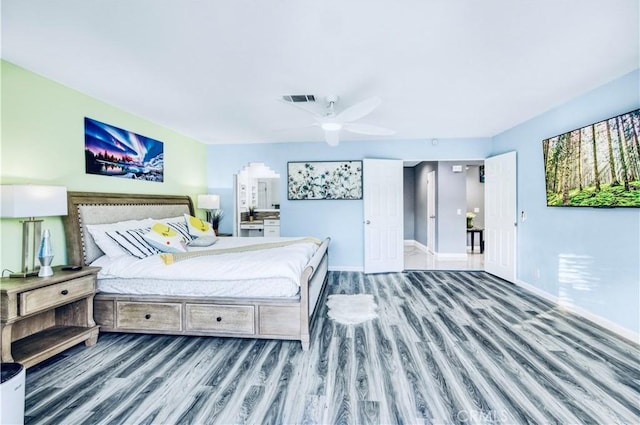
324,180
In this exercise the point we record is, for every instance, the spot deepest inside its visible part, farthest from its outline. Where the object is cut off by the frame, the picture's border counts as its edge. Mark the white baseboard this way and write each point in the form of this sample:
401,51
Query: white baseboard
599,320
420,246
346,269
438,255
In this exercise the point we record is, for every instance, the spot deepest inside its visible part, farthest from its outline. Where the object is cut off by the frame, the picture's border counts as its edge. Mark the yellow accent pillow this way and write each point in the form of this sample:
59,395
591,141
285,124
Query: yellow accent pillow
198,227
165,239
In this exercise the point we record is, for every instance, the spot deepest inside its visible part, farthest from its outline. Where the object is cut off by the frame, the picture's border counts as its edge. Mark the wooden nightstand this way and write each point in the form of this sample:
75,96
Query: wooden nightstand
43,316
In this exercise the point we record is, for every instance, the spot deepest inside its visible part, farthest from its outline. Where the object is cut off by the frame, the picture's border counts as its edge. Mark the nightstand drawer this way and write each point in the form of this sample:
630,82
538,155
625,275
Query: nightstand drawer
230,318
157,316
53,295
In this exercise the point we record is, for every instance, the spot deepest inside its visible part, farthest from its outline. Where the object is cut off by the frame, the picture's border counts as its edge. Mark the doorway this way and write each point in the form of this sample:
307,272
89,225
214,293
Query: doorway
438,197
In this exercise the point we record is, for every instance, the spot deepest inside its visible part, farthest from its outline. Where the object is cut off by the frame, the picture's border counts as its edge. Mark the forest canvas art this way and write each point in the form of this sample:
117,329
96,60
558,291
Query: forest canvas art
112,151
595,166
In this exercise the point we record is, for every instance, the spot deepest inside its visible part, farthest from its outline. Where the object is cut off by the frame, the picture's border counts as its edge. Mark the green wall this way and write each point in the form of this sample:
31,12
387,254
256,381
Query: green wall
42,142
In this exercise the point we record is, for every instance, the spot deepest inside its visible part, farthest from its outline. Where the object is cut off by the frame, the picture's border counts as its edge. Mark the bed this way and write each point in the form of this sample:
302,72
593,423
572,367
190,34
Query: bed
137,304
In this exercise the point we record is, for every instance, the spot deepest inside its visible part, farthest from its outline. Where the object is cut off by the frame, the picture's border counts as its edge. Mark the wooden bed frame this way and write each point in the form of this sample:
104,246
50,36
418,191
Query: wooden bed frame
271,318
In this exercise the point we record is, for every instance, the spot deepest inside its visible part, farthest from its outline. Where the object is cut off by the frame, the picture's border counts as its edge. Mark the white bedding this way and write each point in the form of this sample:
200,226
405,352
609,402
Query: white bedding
273,272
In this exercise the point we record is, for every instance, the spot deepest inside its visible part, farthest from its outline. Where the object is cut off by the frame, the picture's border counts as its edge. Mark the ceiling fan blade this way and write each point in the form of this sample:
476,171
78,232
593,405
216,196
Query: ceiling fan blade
373,130
359,110
332,137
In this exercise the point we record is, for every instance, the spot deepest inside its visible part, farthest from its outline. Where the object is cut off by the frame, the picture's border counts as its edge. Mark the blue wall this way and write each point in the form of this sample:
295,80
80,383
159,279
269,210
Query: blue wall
588,258
341,220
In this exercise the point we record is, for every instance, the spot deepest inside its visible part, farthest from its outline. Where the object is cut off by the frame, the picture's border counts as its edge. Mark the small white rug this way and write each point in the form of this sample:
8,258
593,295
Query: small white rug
352,309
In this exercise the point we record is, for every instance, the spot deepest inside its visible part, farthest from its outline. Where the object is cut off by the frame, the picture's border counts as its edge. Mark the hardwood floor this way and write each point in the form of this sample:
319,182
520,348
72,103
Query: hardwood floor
448,347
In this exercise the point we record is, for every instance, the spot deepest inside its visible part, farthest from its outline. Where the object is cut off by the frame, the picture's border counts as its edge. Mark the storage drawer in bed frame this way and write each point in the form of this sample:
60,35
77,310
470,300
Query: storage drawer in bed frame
221,318
160,316
224,317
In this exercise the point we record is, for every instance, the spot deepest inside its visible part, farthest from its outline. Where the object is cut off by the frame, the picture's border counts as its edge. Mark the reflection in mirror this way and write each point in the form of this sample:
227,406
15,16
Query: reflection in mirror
268,194
258,187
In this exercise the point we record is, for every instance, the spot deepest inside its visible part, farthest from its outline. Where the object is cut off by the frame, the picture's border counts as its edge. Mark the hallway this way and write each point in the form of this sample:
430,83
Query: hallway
417,259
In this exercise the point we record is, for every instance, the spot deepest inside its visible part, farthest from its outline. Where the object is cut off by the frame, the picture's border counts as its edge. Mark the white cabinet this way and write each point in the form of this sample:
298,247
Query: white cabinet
271,228
251,230
267,228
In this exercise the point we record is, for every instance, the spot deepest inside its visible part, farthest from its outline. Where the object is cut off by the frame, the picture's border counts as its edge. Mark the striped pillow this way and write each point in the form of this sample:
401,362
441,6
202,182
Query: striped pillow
133,242
180,227
106,244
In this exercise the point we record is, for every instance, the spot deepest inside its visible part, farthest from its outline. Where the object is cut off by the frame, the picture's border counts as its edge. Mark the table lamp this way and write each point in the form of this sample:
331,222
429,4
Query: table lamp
31,201
209,203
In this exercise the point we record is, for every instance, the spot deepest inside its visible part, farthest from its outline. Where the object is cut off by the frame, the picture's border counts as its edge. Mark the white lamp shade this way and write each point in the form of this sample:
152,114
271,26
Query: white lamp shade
209,202
26,200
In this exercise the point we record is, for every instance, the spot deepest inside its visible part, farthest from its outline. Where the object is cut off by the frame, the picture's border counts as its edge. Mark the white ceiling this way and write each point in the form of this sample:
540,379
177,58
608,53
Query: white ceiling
214,70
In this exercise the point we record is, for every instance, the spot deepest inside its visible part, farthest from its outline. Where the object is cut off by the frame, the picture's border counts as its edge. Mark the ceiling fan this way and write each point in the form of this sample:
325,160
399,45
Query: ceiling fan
332,123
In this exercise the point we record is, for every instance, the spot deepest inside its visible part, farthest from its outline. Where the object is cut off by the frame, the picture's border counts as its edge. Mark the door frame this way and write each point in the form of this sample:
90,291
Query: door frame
432,218
487,243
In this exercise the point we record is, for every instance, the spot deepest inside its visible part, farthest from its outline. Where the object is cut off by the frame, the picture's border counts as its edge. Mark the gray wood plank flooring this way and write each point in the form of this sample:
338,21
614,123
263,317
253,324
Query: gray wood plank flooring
448,347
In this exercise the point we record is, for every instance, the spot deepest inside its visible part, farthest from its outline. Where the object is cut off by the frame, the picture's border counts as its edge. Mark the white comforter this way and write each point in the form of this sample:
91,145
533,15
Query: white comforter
275,263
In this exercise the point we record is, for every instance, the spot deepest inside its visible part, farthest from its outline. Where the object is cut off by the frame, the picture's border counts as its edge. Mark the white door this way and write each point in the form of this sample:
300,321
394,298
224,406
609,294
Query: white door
431,212
500,216
383,216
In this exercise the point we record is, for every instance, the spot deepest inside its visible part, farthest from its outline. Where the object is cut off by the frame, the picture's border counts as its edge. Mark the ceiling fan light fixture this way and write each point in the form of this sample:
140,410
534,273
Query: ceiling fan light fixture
333,123
331,126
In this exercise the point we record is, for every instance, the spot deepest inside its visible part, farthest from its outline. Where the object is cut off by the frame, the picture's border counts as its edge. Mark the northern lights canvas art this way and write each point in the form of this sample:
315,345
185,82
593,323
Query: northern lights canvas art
112,151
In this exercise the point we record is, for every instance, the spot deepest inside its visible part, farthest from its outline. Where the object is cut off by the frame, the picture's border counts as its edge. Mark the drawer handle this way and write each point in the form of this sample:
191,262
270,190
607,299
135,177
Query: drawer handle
147,316
64,292
218,319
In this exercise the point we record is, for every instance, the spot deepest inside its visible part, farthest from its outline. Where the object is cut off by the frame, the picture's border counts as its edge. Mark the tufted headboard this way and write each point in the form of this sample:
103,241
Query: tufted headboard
100,208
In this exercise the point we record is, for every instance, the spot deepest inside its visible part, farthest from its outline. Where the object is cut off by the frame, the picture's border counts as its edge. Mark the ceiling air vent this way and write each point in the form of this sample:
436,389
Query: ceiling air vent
298,98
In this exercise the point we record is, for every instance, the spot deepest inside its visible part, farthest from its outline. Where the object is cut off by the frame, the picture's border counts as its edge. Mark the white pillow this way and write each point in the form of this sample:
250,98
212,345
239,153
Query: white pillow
107,244
164,238
198,227
203,241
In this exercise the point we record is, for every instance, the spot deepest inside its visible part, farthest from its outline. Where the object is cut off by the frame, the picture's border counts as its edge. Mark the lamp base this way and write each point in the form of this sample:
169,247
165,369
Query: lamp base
25,274
28,267
45,271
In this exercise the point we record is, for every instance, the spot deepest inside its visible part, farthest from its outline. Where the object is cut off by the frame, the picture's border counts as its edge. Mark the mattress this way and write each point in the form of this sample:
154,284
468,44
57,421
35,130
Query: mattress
264,288
264,273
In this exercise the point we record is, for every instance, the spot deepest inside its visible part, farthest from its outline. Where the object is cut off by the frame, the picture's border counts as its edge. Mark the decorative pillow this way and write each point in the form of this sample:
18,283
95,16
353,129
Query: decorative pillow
106,243
165,238
203,241
198,227
133,242
179,225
